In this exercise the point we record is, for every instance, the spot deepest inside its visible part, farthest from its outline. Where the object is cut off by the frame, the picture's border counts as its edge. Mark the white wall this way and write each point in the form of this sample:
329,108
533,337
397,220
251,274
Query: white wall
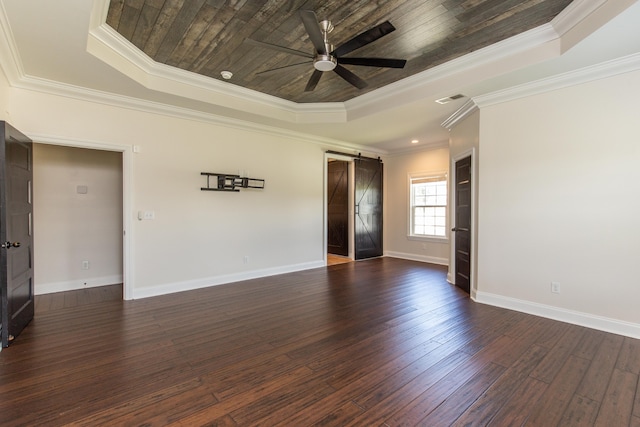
560,201
463,142
396,200
198,238
71,227
4,95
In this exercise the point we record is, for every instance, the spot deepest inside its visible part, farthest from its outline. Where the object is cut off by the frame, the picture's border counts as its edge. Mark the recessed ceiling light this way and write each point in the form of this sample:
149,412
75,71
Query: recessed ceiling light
226,74
414,141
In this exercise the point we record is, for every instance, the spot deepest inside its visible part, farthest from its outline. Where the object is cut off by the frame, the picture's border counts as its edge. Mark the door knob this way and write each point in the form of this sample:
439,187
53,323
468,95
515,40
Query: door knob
9,245
16,244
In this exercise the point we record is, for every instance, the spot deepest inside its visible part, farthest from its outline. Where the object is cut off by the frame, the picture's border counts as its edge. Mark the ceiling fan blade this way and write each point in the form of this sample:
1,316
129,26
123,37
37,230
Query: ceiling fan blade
285,67
374,62
310,22
278,48
365,38
350,77
313,81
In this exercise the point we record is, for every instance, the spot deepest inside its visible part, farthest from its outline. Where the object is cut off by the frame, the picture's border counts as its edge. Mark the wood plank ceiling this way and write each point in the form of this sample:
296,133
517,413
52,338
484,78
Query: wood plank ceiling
208,36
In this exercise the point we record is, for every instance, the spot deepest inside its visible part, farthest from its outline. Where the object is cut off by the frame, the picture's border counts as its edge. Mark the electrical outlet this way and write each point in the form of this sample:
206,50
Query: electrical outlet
555,287
85,265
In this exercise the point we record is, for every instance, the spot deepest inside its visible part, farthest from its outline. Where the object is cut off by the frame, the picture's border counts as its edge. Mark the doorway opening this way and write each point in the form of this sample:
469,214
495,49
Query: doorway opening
362,229
125,179
339,213
78,218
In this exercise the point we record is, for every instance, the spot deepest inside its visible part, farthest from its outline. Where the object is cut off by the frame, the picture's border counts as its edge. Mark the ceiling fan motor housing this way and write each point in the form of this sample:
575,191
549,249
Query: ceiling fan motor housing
324,62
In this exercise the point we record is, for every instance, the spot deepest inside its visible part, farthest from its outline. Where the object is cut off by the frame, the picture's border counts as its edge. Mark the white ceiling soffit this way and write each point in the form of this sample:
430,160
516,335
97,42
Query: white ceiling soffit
540,44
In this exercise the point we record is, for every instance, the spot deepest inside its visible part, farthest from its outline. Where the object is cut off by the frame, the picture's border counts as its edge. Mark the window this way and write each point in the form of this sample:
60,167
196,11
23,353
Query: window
428,210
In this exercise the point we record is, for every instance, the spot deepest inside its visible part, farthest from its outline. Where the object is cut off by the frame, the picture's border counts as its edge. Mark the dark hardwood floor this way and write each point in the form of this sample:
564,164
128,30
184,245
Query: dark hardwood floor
384,342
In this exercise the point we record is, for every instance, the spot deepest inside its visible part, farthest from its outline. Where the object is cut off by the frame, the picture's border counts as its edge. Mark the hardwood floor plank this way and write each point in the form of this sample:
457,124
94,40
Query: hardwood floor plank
636,403
549,409
490,402
457,402
450,394
581,411
339,416
515,411
594,384
589,344
617,405
557,356
629,359
166,405
380,404
419,357
376,342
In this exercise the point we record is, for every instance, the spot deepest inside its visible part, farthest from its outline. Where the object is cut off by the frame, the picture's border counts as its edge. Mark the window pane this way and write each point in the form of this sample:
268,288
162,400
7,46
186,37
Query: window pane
429,206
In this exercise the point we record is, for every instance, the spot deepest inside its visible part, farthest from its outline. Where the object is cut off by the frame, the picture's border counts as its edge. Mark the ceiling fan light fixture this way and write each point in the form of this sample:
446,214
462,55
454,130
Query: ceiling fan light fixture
325,63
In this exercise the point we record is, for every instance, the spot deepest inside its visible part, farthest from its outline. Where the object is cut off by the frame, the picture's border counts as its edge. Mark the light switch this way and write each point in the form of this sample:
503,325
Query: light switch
146,215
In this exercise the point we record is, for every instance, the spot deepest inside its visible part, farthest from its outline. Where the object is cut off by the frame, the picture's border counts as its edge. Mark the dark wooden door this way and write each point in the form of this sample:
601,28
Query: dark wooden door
338,208
368,207
16,232
462,227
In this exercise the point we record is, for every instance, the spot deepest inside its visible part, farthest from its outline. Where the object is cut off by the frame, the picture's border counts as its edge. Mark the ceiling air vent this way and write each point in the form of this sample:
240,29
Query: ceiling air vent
449,98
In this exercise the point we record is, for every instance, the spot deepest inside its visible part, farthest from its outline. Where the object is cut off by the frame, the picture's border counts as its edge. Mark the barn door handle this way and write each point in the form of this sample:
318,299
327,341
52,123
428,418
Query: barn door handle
358,209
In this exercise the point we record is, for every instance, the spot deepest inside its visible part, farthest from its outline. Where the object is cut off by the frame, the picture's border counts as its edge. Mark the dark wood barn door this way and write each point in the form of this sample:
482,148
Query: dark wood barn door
338,208
368,215
16,232
462,226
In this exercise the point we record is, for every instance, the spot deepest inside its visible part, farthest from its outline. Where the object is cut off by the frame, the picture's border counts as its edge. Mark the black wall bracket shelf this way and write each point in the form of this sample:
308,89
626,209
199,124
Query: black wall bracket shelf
225,182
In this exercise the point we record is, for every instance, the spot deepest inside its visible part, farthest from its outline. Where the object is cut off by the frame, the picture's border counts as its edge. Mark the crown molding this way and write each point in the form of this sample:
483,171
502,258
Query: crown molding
584,75
120,101
460,114
573,14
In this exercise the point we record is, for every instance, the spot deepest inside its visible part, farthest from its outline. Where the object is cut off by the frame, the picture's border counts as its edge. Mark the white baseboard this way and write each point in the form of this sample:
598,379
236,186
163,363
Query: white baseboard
189,285
569,316
72,285
414,257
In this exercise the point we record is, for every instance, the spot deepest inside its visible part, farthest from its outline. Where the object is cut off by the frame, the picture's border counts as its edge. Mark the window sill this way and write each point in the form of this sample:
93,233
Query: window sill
429,239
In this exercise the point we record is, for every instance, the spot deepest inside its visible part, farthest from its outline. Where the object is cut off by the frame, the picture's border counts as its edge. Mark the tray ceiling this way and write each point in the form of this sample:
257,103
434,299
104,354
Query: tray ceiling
209,36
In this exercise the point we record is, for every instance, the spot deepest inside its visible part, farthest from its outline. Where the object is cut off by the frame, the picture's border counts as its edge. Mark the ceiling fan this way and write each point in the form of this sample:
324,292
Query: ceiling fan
326,58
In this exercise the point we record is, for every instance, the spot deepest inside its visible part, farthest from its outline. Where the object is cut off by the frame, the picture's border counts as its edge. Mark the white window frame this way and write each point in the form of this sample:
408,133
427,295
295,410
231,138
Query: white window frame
441,176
